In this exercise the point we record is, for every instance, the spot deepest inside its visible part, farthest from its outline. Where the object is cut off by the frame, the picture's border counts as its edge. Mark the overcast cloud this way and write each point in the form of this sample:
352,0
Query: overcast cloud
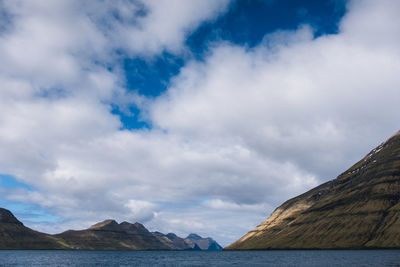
233,136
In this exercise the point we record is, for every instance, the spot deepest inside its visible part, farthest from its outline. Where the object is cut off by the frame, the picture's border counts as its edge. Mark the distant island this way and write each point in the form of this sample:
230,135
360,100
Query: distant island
360,209
106,235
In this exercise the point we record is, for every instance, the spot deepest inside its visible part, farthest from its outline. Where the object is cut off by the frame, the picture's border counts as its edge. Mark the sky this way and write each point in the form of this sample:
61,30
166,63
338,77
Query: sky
197,116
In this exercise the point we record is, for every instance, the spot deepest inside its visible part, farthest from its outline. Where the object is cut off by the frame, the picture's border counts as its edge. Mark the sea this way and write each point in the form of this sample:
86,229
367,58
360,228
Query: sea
201,258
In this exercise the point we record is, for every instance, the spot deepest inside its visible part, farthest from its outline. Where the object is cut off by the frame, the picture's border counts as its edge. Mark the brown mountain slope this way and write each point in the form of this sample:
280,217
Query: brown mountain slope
14,235
109,235
359,209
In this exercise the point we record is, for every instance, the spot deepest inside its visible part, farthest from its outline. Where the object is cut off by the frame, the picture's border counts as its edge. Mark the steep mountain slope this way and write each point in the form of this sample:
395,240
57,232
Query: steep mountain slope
359,209
109,235
14,235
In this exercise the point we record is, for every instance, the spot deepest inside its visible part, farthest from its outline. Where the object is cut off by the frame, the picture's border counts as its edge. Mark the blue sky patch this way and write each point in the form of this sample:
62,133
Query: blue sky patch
130,119
8,181
150,77
30,214
247,22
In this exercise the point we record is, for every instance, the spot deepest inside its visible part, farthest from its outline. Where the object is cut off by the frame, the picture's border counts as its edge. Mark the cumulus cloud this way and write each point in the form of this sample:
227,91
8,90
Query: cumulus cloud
233,136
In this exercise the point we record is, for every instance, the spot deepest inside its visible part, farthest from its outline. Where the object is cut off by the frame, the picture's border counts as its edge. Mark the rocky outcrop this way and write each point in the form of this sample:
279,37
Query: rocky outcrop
359,209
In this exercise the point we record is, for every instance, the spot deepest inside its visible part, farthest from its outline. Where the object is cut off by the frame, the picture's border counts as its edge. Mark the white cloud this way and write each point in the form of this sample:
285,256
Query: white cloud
225,205
141,210
234,135
151,26
298,99
167,23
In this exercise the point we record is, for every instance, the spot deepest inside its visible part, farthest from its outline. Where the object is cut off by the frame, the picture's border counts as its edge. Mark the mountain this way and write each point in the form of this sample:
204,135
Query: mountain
359,209
203,243
173,241
109,235
191,242
14,235
106,235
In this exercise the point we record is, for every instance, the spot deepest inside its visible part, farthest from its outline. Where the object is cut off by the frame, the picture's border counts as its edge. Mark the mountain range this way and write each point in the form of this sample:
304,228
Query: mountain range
106,235
360,209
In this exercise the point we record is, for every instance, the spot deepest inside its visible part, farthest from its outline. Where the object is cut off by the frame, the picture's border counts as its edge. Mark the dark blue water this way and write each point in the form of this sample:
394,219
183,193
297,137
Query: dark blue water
200,258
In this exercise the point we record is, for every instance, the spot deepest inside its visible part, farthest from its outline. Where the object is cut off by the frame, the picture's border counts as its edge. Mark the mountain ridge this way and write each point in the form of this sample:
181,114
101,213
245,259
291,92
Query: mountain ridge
359,209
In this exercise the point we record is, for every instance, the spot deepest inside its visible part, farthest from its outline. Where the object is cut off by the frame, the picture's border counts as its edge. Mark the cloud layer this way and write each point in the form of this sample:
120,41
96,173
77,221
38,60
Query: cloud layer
233,136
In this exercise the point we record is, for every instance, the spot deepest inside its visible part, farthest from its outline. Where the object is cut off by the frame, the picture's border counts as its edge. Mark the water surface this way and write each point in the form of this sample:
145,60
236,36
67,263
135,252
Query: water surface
201,258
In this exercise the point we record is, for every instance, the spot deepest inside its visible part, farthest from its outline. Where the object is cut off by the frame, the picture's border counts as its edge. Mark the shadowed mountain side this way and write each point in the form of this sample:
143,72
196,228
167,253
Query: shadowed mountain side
14,235
359,209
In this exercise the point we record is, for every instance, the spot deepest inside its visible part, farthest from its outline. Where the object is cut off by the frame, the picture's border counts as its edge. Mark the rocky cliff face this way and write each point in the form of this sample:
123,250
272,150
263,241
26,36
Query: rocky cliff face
357,210
14,235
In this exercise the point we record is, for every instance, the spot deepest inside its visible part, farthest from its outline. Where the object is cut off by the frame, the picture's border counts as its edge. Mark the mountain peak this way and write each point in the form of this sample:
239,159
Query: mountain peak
7,217
104,224
171,236
194,236
139,225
